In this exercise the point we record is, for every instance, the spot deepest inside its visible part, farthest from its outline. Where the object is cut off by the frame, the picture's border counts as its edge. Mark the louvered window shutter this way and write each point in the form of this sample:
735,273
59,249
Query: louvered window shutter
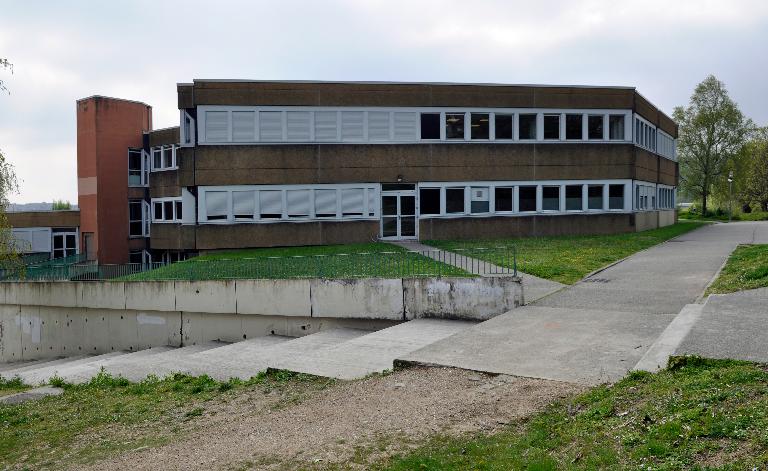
271,204
298,125
326,126
297,202
243,204
352,202
215,205
325,203
244,126
271,125
216,126
405,126
378,125
352,125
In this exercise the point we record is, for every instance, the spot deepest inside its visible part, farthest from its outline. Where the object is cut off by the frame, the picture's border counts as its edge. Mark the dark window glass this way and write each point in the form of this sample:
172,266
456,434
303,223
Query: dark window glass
595,127
551,126
407,206
58,242
504,199
595,197
397,186
616,127
135,256
573,198
573,126
159,211
504,126
134,210
429,200
178,209
550,198
454,200
157,156
615,196
527,196
480,125
454,126
168,210
430,125
527,126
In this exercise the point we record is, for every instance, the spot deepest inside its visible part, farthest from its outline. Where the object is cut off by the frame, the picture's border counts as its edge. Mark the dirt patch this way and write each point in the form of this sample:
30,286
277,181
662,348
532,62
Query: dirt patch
354,423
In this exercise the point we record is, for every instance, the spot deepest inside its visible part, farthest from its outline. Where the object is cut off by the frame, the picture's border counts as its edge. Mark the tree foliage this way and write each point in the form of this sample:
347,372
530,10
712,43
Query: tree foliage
9,257
712,133
756,187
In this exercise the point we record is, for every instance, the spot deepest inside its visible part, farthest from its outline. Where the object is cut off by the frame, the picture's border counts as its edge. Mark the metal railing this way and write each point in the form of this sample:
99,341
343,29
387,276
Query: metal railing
490,261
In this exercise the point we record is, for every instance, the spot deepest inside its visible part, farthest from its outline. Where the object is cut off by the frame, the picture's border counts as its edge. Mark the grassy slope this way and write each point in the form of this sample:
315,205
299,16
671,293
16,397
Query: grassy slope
699,413
747,268
110,415
737,216
568,258
376,259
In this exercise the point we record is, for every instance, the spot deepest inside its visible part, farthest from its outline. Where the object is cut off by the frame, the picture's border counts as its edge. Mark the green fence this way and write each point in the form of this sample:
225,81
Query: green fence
400,264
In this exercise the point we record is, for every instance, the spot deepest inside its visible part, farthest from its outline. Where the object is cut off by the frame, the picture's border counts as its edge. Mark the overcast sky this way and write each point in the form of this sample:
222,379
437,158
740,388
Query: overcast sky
139,50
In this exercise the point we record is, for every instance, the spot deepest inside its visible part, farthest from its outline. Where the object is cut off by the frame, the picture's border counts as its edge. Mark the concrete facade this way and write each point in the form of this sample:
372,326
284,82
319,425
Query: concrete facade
51,319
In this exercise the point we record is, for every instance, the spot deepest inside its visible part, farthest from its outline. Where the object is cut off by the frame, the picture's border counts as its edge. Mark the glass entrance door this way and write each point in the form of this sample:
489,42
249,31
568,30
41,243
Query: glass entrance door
398,215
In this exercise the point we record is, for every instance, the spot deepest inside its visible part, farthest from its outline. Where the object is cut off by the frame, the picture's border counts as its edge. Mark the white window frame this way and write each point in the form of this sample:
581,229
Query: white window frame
161,220
143,220
160,148
144,169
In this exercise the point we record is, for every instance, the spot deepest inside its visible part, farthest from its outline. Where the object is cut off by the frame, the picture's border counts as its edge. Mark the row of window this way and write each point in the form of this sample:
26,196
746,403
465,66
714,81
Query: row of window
271,203
166,210
666,198
645,135
246,124
648,197
452,200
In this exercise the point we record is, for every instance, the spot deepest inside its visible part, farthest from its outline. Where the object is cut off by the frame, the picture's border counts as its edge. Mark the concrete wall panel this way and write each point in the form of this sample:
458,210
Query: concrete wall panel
206,296
460,298
273,297
72,328
123,331
150,296
95,331
10,333
373,298
101,295
646,220
158,328
667,217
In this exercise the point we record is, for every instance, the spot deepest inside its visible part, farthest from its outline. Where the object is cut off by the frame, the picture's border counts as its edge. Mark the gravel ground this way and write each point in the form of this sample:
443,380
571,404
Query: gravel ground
350,423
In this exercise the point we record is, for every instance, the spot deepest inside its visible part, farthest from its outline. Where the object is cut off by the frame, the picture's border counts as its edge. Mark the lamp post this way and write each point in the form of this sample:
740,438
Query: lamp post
730,192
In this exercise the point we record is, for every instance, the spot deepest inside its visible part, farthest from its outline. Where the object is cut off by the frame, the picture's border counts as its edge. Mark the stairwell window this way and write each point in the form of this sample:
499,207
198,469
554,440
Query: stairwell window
164,157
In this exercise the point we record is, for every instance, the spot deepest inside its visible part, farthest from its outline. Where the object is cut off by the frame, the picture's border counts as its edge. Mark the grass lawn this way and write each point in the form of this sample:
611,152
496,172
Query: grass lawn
11,386
376,259
109,415
697,414
568,259
747,268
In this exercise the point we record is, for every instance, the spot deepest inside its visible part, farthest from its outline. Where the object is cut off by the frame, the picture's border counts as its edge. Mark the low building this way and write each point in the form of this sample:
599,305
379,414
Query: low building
260,164
45,232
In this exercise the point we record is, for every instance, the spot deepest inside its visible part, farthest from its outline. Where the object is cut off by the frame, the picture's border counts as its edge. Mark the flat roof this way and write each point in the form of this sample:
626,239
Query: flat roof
384,82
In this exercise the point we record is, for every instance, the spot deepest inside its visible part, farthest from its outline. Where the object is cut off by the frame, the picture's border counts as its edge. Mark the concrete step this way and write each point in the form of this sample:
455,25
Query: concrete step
83,372
13,372
44,373
657,355
161,364
241,360
373,352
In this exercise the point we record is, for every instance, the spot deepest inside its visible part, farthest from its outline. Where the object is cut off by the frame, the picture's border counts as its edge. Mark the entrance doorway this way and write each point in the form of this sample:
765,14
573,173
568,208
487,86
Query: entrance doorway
398,212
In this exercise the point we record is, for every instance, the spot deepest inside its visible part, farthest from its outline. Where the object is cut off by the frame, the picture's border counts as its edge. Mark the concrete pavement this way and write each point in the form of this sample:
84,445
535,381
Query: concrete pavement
598,329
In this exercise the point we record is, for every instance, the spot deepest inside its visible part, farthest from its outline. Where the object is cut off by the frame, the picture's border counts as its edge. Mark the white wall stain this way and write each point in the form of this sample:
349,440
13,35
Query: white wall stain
145,319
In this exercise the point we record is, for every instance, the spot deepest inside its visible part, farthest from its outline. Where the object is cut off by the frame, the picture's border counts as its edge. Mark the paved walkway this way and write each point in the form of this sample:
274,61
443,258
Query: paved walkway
534,288
598,329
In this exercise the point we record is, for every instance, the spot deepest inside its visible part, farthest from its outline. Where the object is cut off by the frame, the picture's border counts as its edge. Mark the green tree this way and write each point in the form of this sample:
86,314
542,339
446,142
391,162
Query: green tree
9,256
756,187
712,133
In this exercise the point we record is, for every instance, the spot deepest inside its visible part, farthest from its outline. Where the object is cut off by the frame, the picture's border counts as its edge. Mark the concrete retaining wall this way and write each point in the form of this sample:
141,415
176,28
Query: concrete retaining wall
49,319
